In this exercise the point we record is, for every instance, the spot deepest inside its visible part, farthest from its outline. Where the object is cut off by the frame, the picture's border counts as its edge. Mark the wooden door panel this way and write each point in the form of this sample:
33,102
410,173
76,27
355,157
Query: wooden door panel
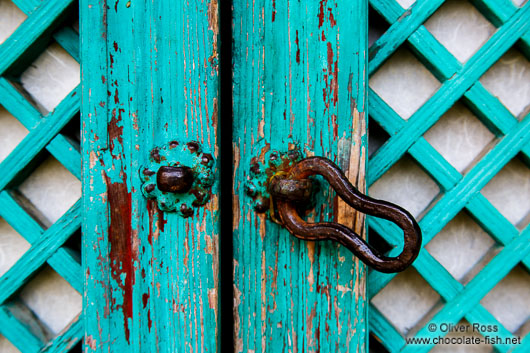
150,76
299,80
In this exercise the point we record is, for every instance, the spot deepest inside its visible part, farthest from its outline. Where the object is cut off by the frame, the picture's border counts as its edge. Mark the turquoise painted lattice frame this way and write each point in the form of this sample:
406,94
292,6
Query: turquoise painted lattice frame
458,192
43,23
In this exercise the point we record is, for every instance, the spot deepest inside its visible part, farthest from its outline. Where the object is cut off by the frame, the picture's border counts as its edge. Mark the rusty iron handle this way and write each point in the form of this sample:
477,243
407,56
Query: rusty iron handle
340,233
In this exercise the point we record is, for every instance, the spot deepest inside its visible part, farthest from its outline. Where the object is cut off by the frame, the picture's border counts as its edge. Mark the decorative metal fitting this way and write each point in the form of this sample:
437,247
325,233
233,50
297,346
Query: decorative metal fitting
286,186
174,179
276,165
179,177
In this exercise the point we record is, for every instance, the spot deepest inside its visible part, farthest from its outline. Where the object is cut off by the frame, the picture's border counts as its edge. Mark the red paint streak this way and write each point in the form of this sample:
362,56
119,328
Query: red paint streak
103,79
120,234
332,19
273,10
115,46
151,210
330,57
116,97
122,256
145,299
115,131
323,37
317,336
297,48
321,13
161,221
149,321
333,71
335,83
111,61
102,104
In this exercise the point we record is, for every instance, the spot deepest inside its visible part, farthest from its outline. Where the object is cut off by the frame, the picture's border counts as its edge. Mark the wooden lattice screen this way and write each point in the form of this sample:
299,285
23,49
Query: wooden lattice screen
50,135
458,191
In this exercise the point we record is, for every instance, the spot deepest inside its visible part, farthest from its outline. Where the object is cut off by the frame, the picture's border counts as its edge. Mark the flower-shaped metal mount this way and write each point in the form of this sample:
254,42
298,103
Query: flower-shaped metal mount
276,164
179,177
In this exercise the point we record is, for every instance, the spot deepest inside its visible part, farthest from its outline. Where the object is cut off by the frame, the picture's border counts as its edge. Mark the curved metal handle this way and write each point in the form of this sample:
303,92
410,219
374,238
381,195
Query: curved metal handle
338,232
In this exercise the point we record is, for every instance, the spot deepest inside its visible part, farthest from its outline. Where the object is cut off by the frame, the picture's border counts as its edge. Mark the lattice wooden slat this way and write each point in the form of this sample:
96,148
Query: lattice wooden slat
458,192
47,245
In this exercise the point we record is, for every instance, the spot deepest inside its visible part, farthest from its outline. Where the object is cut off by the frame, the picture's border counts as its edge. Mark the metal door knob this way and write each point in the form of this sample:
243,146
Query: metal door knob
174,179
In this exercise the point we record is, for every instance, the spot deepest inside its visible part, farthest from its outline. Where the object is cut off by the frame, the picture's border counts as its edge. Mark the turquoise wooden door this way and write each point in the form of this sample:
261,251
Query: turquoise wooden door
150,78
150,95
298,83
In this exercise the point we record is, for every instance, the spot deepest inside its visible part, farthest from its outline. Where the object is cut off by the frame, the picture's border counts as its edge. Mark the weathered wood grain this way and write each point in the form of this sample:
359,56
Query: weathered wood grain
299,79
149,75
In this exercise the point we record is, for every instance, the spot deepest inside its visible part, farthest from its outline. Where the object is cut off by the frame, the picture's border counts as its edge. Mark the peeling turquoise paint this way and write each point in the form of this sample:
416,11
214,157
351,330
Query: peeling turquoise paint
149,75
299,78
151,278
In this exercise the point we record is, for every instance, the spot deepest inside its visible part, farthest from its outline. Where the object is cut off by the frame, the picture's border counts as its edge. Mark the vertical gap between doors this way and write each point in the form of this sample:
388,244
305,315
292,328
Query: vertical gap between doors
226,322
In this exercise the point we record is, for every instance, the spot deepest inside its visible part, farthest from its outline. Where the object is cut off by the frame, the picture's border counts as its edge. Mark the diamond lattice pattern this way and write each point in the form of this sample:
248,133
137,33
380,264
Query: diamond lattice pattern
473,208
40,215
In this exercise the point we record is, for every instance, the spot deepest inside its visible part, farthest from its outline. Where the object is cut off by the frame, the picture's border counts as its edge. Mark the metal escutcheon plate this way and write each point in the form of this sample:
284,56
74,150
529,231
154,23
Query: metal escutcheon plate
179,177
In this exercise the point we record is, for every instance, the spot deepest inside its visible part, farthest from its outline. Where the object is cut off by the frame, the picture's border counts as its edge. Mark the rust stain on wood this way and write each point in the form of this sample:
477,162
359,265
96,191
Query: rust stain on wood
321,13
122,254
